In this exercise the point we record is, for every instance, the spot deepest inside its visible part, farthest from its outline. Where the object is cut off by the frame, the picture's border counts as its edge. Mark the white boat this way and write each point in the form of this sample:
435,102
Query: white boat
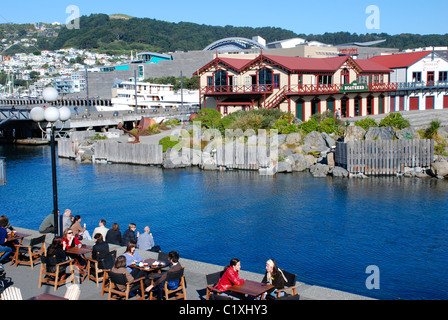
150,96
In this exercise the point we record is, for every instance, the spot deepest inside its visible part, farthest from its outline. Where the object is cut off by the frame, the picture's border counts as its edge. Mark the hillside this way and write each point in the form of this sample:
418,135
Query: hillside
121,34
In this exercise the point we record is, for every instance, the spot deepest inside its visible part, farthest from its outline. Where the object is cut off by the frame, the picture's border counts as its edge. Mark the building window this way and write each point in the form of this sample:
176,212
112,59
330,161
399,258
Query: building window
443,76
325,80
220,78
416,77
300,79
265,77
276,81
209,82
345,76
363,79
369,105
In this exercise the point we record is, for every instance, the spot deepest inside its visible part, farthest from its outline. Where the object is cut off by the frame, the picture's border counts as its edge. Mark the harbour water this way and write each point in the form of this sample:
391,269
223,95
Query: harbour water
327,231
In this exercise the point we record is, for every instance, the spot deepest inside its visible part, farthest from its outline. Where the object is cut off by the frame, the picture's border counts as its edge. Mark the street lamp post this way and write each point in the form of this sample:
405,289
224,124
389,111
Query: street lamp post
51,115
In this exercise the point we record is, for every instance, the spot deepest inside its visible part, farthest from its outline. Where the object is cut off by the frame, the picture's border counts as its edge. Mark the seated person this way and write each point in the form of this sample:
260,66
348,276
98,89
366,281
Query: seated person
231,276
5,250
100,250
274,276
160,278
132,257
70,241
56,255
120,268
129,235
113,236
146,241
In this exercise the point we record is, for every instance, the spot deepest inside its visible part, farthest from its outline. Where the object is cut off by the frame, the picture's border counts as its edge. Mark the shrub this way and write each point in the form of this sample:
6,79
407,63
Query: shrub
169,142
209,118
432,130
309,126
366,123
395,120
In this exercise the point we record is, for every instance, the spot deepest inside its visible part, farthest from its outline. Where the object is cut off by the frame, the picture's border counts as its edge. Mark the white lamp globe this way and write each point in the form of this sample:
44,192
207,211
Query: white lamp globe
64,114
52,114
50,94
37,114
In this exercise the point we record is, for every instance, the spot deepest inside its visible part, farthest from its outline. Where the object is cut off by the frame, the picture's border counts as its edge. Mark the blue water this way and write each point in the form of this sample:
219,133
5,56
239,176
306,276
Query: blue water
328,231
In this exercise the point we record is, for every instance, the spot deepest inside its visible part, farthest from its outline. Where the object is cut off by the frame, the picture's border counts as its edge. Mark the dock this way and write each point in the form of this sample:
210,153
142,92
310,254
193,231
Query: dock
27,280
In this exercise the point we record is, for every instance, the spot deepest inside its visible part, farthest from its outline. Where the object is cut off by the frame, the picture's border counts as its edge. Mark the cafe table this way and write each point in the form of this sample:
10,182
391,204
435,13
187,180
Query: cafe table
82,253
150,266
12,237
251,288
48,296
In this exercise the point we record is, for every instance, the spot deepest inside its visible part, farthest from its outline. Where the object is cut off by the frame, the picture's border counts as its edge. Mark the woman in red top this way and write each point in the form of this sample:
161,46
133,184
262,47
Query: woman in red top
231,276
70,241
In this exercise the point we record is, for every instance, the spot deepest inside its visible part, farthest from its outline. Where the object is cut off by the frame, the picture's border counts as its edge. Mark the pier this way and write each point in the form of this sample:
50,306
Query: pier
27,280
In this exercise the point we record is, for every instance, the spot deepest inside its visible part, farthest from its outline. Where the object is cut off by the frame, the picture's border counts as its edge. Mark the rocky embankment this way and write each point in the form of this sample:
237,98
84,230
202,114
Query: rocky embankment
314,152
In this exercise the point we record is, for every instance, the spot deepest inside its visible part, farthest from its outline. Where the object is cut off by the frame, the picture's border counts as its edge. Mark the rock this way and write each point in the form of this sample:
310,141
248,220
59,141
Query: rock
319,170
299,162
311,159
439,169
297,121
407,134
328,140
380,133
338,172
283,167
354,133
315,140
330,159
293,138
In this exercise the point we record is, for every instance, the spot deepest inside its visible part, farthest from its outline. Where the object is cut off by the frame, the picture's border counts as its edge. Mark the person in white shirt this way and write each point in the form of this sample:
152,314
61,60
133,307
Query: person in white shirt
101,229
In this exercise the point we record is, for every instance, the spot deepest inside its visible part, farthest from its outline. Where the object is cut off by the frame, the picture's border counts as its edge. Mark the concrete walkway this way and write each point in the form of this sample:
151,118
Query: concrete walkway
27,280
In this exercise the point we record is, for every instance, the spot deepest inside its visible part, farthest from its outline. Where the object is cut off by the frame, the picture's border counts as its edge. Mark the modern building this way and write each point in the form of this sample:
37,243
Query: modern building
421,77
302,86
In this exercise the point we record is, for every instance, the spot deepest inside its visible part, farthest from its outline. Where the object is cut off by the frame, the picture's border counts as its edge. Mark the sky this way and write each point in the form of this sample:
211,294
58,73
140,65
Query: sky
300,16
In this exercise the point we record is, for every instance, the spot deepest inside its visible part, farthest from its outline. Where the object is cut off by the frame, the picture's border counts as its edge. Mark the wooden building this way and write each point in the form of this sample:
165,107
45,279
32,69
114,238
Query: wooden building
302,86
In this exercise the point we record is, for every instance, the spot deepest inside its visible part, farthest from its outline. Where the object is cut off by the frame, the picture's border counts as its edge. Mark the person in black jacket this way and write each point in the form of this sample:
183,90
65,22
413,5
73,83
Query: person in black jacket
113,236
129,235
273,276
100,250
56,254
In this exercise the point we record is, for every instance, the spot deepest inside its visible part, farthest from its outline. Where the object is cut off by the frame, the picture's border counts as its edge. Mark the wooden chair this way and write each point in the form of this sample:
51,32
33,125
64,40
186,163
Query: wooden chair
30,254
73,292
120,279
212,280
55,278
290,284
162,257
176,294
97,274
12,293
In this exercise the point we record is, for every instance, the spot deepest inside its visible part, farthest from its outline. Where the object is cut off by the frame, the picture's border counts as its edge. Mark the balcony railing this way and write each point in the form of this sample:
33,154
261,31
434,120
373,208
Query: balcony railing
252,89
422,85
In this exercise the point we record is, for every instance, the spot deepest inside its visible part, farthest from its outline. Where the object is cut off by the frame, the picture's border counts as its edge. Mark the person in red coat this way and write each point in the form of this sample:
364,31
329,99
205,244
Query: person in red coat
231,276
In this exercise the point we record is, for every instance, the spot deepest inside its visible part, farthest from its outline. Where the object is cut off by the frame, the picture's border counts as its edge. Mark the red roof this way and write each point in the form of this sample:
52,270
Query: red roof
400,60
298,64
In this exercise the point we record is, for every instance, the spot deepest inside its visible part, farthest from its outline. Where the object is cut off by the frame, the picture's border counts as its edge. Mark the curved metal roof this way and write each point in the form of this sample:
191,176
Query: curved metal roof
234,43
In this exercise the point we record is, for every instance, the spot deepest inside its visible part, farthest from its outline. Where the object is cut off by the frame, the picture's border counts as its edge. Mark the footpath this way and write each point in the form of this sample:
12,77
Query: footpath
27,280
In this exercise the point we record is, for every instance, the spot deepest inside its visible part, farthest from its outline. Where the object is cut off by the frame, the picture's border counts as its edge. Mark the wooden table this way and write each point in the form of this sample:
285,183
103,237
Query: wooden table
251,288
150,267
18,236
81,252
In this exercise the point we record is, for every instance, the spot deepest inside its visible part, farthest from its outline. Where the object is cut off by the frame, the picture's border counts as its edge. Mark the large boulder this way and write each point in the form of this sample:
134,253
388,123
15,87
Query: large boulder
408,133
283,167
380,133
338,172
319,170
299,163
328,140
315,140
354,133
439,169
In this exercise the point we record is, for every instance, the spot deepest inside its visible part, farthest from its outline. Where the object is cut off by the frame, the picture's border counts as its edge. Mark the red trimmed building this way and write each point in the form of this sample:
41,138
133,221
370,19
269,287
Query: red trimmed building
302,86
